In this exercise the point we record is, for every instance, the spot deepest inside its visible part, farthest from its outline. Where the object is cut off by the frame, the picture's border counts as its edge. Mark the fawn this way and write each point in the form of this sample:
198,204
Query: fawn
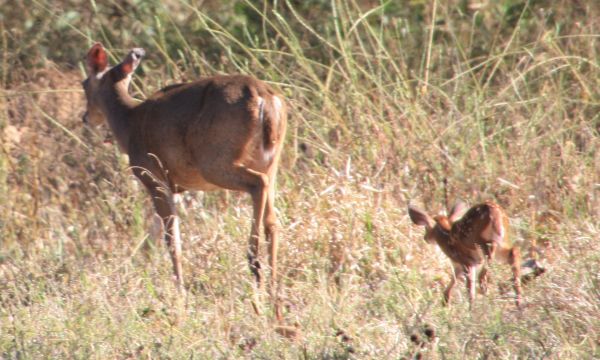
471,240
219,132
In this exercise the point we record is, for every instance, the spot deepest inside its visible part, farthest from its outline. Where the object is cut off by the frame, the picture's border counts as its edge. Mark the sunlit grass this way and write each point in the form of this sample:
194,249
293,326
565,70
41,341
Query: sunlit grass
387,100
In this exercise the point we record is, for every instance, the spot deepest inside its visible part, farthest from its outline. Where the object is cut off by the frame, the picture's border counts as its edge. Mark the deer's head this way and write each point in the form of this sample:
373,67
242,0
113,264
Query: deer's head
436,226
104,83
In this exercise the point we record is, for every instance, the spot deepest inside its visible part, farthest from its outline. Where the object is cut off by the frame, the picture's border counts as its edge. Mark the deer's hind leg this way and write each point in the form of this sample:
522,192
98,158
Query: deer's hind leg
271,237
260,190
271,230
514,259
258,187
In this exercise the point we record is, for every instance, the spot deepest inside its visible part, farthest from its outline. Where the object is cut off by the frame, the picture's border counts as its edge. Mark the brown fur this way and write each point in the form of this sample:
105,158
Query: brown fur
479,235
220,132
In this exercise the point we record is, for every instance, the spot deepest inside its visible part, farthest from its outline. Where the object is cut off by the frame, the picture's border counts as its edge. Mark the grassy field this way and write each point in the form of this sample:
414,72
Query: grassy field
499,99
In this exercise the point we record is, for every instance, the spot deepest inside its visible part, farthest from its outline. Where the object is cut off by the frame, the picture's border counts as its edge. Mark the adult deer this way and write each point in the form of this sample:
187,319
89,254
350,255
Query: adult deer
481,234
220,132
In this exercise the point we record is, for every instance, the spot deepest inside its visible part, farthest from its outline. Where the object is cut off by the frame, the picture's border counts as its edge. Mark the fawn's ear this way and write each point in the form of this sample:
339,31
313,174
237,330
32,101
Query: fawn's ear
457,211
419,217
97,60
132,60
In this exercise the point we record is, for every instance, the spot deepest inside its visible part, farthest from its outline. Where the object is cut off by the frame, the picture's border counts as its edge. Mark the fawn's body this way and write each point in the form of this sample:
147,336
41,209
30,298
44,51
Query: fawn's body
221,132
476,238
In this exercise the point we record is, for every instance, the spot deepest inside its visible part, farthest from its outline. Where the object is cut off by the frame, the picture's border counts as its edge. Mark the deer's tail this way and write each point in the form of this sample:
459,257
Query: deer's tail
272,113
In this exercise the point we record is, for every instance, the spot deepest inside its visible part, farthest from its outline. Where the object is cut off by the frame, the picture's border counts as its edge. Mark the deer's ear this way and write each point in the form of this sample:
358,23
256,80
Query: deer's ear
132,60
457,211
419,217
97,59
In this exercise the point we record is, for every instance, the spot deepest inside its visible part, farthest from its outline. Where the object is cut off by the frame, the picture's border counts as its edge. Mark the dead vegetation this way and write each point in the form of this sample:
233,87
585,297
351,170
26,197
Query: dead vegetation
506,110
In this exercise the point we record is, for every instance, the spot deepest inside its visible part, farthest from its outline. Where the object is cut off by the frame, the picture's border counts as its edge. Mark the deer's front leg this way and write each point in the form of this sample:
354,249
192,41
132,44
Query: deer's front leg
149,170
458,273
471,278
164,205
259,199
484,279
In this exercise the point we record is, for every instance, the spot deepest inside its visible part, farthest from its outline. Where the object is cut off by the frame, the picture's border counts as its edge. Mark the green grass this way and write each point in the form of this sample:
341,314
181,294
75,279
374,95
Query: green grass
387,100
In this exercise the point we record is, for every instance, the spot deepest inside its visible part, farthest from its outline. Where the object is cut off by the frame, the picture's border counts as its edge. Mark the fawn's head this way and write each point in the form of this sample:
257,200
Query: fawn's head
103,82
438,225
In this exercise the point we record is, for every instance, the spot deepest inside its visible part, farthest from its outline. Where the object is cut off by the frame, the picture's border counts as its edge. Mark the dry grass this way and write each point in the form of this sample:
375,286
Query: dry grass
507,109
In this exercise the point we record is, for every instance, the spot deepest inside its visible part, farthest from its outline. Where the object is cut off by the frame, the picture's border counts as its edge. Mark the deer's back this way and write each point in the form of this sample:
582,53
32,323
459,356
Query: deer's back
193,127
483,224
207,100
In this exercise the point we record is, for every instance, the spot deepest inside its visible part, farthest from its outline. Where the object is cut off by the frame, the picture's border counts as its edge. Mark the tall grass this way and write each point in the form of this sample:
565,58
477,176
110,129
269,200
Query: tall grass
389,101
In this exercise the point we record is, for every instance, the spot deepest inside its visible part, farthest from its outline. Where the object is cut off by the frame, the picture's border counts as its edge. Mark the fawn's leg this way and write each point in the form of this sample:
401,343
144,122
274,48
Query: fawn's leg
458,273
514,260
471,277
483,279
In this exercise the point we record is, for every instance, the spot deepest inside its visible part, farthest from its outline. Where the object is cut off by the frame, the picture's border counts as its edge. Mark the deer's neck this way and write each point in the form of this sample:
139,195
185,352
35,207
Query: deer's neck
442,236
119,109
455,249
444,241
